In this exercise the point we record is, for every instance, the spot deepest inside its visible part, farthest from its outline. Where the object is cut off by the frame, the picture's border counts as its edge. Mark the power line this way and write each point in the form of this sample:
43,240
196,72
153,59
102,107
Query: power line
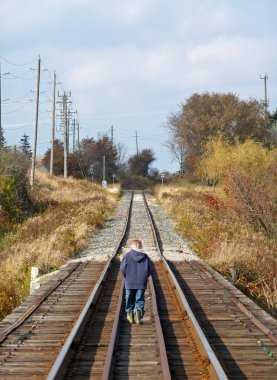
18,109
16,64
17,100
19,77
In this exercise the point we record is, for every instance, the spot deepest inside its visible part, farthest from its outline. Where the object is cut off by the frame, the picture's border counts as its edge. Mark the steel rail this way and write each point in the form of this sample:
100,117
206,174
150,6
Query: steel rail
107,372
33,308
59,366
108,366
210,361
159,332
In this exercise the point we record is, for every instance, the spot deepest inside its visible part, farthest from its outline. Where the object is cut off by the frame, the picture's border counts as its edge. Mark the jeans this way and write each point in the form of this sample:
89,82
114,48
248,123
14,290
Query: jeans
134,300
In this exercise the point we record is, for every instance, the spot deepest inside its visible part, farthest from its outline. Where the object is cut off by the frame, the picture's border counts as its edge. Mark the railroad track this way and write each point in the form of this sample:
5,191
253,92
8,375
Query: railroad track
193,327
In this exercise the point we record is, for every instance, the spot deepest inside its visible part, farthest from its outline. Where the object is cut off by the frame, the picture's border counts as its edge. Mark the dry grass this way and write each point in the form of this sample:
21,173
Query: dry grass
223,240
73,211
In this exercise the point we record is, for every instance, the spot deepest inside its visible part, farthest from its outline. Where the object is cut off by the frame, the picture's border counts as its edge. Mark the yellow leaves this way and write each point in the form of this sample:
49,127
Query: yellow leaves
249,157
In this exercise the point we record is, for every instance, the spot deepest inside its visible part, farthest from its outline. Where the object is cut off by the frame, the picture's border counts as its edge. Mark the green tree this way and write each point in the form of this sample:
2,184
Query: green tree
3,141
24,145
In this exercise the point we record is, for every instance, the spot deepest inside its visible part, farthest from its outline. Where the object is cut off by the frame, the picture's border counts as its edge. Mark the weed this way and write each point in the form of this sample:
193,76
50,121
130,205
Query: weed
70,212
224,241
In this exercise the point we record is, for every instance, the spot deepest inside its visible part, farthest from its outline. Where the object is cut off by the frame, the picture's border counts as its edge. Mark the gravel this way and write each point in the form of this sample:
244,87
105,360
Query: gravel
102,245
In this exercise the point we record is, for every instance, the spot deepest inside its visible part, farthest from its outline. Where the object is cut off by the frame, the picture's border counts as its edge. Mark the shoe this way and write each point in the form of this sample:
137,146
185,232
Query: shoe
130,317
137,316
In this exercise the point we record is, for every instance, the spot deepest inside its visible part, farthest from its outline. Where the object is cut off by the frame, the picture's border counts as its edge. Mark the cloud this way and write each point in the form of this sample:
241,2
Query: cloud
132,10
225,59
125,64
219,49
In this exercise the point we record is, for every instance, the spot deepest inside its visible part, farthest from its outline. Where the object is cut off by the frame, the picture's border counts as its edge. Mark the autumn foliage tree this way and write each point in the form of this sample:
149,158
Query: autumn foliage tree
139,164
205,116
91,153
87,161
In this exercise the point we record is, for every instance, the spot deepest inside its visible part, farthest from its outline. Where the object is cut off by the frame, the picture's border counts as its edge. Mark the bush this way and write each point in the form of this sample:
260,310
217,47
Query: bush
224,241
135,182
248,174
13,288
14,185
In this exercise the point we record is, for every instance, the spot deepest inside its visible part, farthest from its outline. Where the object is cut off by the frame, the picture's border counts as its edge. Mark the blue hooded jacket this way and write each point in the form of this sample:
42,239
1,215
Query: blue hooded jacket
136,267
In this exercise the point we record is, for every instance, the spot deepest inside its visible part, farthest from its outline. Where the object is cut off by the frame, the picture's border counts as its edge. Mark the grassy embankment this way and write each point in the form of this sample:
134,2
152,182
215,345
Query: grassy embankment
222,240
71,211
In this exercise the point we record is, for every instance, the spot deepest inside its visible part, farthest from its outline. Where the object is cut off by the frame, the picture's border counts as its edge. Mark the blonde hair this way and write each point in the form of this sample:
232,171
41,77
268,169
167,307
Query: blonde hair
136,244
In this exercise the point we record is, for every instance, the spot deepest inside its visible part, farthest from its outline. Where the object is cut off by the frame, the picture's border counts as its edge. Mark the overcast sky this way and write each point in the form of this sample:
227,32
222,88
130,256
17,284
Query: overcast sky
131,63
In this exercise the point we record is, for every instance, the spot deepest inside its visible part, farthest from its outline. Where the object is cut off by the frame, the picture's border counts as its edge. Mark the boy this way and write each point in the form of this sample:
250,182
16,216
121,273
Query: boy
136,268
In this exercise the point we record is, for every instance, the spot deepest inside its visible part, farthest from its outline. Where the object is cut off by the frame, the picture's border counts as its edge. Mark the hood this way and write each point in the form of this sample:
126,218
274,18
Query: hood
138,254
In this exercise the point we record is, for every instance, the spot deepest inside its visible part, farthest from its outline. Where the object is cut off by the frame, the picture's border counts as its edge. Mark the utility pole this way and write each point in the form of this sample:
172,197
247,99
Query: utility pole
65,102
67,131
1,126
265,78
104,168
73,124
53,125
33,168
104,182
74,127
136,136
112,134
65,150
78,135
65,114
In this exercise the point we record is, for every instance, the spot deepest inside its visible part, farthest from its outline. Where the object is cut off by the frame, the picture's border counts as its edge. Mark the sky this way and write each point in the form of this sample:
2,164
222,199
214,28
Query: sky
131,63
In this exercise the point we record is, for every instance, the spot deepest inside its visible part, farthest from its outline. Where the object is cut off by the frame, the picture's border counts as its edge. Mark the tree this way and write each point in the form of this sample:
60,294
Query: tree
205,116
3,141
175,143
58,164
139,163
24,145
87,162
121,156
91,153
273,128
